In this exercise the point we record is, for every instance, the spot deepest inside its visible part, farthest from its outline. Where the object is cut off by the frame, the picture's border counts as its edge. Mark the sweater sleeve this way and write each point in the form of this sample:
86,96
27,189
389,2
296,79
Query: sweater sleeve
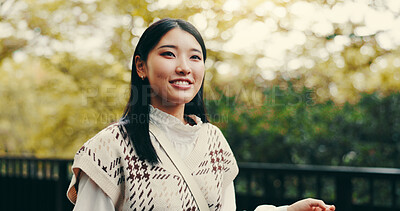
228,198
91,197
229,202
99,158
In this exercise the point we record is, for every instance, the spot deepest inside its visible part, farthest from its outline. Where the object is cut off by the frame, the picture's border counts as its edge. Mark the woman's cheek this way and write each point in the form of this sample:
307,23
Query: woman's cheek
200,76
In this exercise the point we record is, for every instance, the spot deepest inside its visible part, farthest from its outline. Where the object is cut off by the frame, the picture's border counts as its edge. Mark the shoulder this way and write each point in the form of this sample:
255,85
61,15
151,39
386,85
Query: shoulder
216,138
212,129
112,131
101,158
107,145
214,133
112,134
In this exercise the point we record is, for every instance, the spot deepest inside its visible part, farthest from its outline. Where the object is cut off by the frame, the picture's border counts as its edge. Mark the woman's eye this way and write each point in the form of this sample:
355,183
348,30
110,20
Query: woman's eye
168,53
195,57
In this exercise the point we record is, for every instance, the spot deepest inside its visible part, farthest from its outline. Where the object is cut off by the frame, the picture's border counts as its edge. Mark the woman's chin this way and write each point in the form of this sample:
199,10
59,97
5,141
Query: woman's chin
174,102
180,101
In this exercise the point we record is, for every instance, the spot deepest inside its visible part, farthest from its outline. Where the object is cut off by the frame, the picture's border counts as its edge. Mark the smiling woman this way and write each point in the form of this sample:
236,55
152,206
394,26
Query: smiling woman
175,70
163,154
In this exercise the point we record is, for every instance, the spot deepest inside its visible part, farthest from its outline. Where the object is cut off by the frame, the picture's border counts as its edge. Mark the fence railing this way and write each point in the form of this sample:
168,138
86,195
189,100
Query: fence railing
348,188
41,184
34,184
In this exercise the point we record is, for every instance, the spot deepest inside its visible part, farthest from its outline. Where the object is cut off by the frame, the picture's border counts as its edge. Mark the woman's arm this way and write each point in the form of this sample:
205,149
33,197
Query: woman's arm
228,198
310,205
302,205
91,197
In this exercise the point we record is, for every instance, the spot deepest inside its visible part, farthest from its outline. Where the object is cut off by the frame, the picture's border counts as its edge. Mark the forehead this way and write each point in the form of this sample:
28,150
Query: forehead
179,38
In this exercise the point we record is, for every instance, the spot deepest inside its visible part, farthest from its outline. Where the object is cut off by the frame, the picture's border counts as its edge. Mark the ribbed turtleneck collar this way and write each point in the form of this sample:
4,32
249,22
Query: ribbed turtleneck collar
175,130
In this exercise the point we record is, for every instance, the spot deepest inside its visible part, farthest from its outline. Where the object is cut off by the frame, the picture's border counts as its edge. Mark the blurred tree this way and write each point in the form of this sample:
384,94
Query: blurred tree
289,127
65,66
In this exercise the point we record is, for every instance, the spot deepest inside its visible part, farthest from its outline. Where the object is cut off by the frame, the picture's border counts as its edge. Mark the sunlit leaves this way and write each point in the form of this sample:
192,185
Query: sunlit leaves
65,65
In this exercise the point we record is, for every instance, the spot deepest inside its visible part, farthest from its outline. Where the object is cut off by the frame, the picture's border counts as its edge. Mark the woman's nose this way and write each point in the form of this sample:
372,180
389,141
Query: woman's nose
183,68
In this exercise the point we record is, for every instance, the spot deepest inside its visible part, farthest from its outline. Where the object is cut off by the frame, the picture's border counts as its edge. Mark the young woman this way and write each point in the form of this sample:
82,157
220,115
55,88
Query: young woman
124,167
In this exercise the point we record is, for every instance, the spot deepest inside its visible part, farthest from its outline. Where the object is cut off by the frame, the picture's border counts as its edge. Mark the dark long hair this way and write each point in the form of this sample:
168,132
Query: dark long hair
136,115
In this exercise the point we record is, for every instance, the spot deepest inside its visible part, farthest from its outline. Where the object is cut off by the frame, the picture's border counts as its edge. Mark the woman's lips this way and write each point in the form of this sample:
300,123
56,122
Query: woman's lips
181,84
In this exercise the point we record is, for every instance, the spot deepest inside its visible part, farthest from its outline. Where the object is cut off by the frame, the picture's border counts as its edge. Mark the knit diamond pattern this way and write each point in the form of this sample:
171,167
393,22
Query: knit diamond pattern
109,159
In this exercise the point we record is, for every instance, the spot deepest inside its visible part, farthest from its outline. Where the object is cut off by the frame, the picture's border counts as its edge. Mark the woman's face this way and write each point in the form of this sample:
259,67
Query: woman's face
174,68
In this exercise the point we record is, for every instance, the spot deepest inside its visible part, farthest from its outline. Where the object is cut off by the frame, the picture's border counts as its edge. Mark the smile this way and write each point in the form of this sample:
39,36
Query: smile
180,82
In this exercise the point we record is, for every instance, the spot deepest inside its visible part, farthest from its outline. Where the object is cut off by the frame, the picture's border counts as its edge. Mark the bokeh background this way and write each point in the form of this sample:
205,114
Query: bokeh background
287,81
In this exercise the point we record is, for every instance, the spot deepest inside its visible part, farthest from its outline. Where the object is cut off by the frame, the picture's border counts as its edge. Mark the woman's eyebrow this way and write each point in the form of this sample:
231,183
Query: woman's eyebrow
195,49
174,46
167,46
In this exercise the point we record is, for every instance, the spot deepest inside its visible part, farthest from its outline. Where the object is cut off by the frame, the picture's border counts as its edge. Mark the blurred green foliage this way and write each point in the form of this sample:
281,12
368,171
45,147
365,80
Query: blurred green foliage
289,126
296,94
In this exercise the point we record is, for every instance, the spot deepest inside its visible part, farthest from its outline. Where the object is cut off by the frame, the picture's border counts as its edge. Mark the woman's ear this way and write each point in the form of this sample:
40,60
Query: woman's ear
140,67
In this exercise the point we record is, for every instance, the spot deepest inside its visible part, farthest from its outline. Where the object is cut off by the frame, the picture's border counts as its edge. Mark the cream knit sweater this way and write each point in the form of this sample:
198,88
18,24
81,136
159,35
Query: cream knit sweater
111,162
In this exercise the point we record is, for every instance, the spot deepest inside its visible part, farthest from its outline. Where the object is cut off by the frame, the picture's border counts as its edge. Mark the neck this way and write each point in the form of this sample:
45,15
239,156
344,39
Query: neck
174,110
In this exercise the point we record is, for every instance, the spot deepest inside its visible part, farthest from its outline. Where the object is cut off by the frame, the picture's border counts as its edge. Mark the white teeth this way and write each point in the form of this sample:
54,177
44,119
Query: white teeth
181,82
